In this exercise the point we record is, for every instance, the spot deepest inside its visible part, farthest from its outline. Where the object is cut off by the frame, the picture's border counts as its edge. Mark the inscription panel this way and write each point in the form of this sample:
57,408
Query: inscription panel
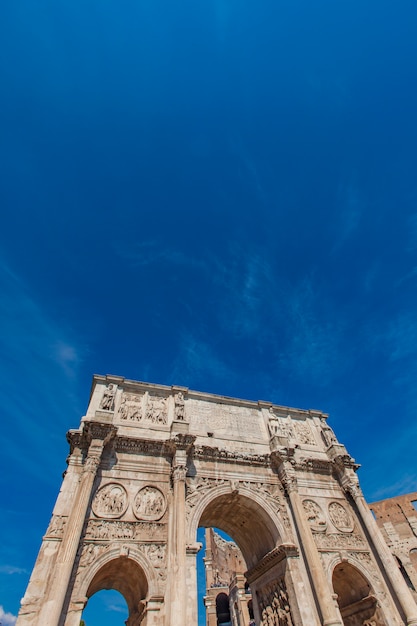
224,420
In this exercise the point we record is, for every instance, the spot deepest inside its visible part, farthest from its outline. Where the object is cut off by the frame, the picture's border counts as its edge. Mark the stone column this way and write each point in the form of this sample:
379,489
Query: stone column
211,615
178,598
329,613
238,583
191,583
52,607
350,484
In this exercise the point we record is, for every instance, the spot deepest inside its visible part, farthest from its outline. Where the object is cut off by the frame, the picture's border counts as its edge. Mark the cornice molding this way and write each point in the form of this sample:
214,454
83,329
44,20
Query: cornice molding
270,560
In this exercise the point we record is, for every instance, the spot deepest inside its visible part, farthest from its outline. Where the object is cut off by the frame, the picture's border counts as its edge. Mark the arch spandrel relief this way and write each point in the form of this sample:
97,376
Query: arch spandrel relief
340,517
149,503
110,501
151,464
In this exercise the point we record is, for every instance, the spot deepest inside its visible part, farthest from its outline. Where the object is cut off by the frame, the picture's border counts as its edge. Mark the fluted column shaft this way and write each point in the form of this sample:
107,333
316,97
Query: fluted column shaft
178,547
399,585
52,608
330,615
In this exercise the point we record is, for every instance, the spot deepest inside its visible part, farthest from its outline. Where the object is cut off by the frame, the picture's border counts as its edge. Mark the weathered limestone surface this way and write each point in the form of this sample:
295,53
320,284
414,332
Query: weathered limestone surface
149,464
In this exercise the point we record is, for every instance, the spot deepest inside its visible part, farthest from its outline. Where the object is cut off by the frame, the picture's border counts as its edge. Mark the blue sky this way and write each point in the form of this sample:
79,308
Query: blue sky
218,194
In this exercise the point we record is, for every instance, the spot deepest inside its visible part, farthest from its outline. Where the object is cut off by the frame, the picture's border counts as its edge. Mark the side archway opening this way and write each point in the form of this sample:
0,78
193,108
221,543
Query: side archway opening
128,578
357,603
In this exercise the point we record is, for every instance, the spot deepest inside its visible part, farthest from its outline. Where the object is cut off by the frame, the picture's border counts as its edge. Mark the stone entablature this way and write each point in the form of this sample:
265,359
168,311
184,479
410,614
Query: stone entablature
150,464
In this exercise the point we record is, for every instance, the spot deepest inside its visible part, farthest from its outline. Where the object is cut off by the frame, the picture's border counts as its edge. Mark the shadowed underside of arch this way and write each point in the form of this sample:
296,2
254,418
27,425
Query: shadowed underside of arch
127,577
356,600
246,522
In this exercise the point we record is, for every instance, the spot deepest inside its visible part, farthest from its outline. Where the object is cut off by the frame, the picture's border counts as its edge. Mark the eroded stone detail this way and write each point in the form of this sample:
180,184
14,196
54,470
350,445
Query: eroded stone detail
56,527
179,406
315,516
110,530
340,518
149,504
110,501
146,408
131,407
274,606
337,541
304,434
107,401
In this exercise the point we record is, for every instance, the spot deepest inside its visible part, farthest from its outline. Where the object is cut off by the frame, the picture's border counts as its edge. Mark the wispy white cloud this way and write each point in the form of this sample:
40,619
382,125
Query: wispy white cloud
402,336
406,484
117,608
39,367
11,569
198,361
151,252
7,619
314,335
247,286
350,207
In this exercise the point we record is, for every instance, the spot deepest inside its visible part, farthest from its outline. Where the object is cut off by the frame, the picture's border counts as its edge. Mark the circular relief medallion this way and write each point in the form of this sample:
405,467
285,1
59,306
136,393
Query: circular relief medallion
315,516
340,517
149,504
110,501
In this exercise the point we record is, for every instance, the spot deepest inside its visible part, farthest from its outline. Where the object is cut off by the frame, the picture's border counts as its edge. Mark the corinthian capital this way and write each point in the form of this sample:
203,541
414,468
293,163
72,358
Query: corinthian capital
91,464
287,476
179,473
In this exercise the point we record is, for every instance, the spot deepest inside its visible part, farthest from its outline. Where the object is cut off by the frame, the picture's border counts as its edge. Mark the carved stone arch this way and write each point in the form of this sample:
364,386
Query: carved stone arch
355,592
114,553
336,559
269,528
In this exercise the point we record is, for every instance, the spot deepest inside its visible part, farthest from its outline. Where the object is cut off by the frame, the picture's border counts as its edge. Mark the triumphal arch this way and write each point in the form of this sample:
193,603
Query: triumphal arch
150,464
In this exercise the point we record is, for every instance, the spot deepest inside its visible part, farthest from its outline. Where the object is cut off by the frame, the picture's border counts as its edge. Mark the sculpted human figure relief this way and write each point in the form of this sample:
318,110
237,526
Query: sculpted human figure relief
274,605
156,410
340,517
327,434
315,515
304,434
149,504
107,400
179,406
131,407
110,501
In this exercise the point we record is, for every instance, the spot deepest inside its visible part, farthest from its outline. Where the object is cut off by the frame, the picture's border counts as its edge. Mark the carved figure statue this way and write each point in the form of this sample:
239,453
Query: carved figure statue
179,406
108,398
327,434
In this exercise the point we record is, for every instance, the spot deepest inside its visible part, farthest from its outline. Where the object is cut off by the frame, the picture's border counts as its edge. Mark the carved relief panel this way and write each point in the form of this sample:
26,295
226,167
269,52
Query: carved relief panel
143,408
149,504
110,501
274,607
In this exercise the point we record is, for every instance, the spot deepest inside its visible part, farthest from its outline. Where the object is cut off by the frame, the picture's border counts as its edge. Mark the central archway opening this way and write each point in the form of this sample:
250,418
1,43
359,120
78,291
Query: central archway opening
236,533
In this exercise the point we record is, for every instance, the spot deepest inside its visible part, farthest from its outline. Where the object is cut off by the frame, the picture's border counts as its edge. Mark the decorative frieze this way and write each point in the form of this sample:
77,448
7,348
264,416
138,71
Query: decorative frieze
221,454
338,541
56,527
106,530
